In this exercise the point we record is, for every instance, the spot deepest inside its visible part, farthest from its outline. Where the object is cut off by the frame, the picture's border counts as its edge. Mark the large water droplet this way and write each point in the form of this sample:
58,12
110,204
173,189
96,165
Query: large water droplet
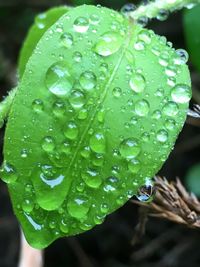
59,80
78,207
8,173
81,24
108,44
181,93
171,109
129,148
92,178
88,80
162,136
98,143
137,83
142,108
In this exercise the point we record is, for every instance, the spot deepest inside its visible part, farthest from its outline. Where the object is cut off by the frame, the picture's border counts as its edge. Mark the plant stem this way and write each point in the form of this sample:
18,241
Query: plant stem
153,9
5,106
29,257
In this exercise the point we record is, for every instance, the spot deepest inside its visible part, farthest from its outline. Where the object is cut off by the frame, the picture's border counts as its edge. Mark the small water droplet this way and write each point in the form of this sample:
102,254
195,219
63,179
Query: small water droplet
38,105
145,36
64,226
59,108
98,143
162,136
117,92
137,83
126,9
94,19
71,130
104,208
48,144
181,57
146,192
111,184
66,40
88,80
162,14
134,165
77,99
24,153
27,205
77,57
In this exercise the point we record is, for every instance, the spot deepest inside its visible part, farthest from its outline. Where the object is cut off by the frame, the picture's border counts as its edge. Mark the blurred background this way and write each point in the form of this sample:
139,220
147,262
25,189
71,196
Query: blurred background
109,245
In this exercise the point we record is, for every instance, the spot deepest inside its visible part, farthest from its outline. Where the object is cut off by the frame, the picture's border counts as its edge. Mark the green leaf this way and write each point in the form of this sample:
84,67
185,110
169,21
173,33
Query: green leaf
42,23
191,21
193,179
106,100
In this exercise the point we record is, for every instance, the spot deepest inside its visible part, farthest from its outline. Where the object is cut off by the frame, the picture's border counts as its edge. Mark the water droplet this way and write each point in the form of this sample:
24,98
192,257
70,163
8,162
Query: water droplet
134,166
98,143
78,207
71,131
8,173
81,25
142,21
65,147
170,124
181,57
111,184
94,19
59,108
171,109
162,14
98,160
146,192
104,208
126,9
82,115
139,45
27,205
108,44
137,83
156,114
117,92
142,108
181,93
48,144
77,99
66,40
162,136
58,79
88,80
24,153
77,57
64,226
38,105
145,36
129,148
92,178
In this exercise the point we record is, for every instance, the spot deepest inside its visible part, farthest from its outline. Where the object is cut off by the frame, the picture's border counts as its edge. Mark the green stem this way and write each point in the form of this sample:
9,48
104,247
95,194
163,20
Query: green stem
153,9
5,106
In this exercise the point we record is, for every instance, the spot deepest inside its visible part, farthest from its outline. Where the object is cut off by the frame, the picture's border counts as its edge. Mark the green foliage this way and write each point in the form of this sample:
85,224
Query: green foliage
192,34
42,23
193,179
96,114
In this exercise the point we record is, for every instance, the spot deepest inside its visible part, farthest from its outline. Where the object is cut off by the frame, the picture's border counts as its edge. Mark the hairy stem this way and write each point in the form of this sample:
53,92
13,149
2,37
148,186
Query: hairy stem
5,106
153,9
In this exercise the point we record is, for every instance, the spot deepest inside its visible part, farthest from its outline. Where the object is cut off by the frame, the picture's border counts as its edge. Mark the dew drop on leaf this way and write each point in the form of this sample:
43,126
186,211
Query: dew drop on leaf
129,148
78,207
181,93
8,173
81,25
108,44
137,83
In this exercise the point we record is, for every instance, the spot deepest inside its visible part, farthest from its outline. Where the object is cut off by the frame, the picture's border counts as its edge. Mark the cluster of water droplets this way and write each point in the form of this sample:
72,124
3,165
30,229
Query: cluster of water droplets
108,129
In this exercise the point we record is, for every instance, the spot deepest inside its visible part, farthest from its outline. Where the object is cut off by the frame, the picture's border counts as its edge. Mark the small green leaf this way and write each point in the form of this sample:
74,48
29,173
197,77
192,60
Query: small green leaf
42,23
193,179
106,100
191,21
